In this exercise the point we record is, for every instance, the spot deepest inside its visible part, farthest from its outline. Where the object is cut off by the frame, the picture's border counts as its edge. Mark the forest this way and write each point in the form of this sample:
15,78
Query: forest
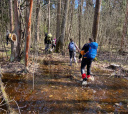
39,39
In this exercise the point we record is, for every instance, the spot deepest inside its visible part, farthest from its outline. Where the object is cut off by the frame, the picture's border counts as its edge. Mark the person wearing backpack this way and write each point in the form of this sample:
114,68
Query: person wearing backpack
45,40
88,53
7,36
72,51
48,41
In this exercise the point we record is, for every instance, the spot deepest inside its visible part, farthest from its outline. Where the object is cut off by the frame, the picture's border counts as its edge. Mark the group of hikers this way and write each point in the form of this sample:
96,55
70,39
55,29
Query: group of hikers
88,53
49,42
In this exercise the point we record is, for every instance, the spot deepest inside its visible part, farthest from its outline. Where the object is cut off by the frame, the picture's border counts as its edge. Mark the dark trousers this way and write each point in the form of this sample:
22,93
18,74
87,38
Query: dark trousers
71,53
88,62
53,46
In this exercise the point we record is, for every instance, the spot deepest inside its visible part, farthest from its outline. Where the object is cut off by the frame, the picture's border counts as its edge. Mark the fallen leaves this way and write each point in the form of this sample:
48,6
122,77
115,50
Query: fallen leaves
50,96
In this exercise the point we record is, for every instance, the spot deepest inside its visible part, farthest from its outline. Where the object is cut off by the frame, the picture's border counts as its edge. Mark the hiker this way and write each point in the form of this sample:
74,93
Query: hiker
72,51
89,52
7,36
47,41
54,43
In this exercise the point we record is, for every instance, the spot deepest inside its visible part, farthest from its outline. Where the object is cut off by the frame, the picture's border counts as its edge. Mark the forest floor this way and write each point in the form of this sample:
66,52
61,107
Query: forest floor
54,87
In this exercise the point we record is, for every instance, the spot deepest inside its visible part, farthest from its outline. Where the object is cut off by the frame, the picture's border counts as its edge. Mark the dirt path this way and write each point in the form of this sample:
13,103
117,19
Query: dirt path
58,89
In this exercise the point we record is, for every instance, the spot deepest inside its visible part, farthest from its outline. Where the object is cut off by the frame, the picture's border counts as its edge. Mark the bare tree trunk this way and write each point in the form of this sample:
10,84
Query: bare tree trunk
28,32
11,15
124,32
64,19
67,28
17,28
11,28
48,16
80,18
72,11
37,21
96,19
58,25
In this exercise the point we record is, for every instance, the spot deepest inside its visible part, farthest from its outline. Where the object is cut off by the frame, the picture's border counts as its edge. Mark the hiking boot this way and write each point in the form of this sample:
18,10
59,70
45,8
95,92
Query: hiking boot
90,78
85,79
84,83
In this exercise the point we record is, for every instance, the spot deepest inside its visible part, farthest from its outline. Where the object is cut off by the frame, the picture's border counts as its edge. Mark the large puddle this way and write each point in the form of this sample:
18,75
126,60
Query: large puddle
58,90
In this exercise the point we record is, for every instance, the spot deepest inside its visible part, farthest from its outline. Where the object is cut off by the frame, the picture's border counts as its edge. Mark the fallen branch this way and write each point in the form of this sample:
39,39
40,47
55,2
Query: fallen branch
4,110
17,106
5,97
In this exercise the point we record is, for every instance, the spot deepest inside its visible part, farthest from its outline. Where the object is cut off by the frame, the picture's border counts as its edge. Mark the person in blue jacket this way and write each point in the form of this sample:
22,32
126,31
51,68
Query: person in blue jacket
88,53
72,51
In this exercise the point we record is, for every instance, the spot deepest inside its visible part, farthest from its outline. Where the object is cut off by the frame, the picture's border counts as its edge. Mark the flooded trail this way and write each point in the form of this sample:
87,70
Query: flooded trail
58,90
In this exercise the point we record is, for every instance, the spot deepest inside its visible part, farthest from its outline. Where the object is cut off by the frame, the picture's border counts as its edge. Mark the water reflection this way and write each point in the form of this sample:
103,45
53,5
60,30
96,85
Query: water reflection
58,90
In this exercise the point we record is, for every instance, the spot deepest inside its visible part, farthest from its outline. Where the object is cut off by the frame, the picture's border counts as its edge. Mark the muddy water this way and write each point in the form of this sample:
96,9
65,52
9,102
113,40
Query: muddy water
58,90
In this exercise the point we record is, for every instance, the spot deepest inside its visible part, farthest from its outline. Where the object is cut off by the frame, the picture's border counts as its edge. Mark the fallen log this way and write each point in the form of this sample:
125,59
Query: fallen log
114,66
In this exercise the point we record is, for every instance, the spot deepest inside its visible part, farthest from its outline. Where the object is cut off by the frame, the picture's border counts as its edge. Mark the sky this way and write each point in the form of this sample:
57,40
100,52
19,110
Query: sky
76,3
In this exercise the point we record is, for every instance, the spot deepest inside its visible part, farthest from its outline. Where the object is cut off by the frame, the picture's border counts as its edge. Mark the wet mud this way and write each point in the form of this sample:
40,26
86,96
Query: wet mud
58,90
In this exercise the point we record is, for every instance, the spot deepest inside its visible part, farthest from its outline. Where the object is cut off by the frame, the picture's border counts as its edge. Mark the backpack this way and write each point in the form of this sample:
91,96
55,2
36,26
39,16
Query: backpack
49,38
72,46
92,52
